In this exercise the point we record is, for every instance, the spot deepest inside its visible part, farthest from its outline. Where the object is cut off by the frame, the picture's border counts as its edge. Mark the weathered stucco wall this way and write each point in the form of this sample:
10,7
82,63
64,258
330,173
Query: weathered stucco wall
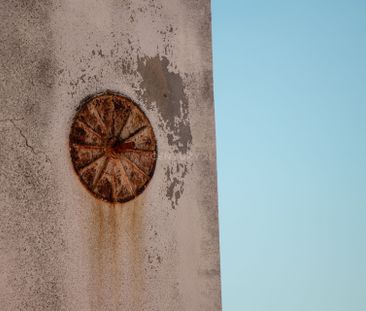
61,248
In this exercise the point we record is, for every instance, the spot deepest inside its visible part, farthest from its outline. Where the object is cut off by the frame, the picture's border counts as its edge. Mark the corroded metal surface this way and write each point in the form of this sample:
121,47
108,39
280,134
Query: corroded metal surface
113,147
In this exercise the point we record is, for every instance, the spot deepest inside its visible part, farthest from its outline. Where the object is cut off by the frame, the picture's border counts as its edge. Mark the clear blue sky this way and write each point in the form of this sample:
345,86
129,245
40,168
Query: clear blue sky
290,91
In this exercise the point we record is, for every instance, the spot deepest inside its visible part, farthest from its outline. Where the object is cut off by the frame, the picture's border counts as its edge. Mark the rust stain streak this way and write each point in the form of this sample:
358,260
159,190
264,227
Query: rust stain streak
114,170
137,250
117,253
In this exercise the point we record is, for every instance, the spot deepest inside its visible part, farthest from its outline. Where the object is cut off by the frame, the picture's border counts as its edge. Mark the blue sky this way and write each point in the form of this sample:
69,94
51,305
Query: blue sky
290,100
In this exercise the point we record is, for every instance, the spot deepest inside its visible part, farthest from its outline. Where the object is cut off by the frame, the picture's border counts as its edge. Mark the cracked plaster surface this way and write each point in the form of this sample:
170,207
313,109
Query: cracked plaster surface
26,141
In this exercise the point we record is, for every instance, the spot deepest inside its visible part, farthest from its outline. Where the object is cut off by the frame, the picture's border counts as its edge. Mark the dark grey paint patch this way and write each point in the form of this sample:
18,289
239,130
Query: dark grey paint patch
175,179
167,90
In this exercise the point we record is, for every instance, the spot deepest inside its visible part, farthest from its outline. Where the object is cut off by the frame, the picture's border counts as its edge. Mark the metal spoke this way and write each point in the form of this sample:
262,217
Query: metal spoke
126,178
88,147
88,128
87,166
100,120
100,173
135,166
123,126
135,133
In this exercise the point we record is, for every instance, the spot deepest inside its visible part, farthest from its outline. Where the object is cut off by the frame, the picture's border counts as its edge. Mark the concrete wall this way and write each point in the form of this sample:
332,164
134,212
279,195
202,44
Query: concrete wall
60,248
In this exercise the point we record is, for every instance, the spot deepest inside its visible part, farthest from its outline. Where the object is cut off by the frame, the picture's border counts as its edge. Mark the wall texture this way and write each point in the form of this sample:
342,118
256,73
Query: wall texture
60,248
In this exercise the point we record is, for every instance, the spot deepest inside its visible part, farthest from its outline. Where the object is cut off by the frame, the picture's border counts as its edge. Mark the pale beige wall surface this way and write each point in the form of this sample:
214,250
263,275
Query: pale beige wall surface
60,248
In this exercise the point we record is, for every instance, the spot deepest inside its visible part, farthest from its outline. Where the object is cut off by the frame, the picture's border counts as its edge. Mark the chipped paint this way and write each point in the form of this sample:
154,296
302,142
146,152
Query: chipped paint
175,175
166,88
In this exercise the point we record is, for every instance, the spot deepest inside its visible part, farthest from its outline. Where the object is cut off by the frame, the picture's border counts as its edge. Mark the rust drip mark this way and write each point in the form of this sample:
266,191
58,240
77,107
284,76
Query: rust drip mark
105,248
136,231
113,147
117,254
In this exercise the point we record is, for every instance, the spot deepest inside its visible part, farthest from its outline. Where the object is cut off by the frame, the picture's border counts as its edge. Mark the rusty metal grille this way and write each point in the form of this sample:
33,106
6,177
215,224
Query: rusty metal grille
113,147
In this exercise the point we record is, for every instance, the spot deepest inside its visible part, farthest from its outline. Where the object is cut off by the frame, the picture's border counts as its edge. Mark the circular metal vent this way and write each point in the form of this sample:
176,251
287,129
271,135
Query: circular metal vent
113,147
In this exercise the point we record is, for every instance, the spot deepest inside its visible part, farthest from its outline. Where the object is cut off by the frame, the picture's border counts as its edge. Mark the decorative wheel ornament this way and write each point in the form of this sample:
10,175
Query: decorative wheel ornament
113,147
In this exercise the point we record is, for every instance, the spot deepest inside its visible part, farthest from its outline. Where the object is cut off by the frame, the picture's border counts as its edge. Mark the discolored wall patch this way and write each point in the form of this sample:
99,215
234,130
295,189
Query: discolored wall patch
174,176
166,88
